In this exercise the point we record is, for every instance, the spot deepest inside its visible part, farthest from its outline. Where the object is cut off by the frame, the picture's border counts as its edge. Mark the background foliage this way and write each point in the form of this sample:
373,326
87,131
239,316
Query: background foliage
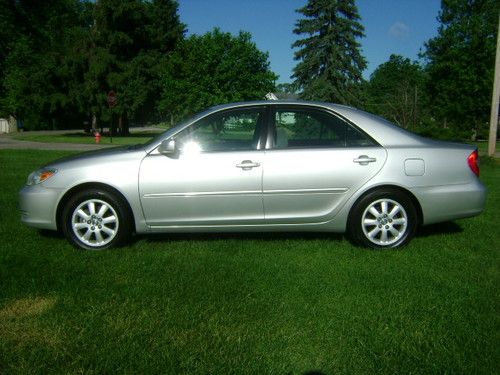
60,58
460,64
396,91
446,95
212,69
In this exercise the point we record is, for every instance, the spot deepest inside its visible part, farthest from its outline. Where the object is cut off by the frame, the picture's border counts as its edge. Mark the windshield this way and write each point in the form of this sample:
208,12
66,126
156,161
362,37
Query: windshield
175,129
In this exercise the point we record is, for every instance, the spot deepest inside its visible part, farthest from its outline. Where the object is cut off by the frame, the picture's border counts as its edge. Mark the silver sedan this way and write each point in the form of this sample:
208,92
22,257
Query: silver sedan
260,166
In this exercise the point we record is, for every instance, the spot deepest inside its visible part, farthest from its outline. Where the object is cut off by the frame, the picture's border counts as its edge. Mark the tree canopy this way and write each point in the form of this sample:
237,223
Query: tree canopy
60,58
330,63
214,68
37,69
396,91
129,43
460,63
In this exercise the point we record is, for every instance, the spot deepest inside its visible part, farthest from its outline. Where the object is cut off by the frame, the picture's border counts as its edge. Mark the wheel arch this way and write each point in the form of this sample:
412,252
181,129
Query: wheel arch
408,193
86,186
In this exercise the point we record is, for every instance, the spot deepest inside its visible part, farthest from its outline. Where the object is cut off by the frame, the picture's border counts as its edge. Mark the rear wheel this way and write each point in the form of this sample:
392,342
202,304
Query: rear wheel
96,219
383,219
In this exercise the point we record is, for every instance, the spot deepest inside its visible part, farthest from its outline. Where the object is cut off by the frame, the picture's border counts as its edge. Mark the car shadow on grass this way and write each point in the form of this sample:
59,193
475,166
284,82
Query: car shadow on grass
433,230
50,233
449,227
252,236
425,231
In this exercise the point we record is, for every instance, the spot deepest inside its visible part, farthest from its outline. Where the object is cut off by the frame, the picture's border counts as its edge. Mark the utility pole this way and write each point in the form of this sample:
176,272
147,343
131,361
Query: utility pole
492,142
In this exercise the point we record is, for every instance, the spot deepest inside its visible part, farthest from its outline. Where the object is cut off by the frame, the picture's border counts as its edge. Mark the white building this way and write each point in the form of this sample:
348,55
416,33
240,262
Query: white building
7,126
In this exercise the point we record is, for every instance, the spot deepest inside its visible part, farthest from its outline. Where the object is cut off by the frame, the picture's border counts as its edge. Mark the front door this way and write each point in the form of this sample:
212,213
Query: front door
214,179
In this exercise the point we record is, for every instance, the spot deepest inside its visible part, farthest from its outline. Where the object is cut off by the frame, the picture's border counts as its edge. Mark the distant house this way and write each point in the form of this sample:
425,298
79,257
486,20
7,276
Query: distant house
7,126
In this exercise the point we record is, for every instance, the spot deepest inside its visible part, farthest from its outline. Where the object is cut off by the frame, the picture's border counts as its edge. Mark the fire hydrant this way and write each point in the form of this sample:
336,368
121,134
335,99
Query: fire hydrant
97,137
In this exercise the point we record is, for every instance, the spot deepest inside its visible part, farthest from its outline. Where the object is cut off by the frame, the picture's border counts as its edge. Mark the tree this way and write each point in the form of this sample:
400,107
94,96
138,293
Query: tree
396,91
62,57
211,69
34,71
8,34
128,44
330,62
286,91
460,62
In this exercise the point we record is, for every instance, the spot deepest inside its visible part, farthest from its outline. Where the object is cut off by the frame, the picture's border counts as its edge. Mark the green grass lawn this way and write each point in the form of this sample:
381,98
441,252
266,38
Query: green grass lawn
248,304
81,137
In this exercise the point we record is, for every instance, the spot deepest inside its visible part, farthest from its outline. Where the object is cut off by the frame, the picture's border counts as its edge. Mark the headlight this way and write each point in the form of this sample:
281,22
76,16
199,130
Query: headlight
40,176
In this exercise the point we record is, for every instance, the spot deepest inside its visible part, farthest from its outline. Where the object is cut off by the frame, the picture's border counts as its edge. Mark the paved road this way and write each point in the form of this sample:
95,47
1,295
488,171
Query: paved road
6,142
9,143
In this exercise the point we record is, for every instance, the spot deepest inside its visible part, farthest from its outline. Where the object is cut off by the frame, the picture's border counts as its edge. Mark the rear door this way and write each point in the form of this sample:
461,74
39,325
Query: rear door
314,162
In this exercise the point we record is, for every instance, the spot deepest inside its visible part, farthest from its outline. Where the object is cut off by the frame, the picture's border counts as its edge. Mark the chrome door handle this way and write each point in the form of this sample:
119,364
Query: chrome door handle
364,160
247,165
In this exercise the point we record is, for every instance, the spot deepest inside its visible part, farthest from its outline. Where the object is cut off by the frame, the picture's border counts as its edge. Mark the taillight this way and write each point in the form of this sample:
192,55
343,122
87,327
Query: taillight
473,161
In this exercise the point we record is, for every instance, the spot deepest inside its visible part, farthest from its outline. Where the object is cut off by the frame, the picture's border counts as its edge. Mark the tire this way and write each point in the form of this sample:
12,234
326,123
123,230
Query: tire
383,219
96,219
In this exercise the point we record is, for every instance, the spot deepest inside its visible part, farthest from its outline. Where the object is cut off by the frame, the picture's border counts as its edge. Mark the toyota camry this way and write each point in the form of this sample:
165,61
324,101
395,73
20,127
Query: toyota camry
260,166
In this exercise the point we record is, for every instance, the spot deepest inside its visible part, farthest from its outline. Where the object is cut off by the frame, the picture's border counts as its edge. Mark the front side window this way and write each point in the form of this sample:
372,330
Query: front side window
234,130
310,128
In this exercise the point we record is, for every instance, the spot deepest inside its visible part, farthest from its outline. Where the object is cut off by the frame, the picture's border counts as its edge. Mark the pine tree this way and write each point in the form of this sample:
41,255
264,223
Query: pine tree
330,62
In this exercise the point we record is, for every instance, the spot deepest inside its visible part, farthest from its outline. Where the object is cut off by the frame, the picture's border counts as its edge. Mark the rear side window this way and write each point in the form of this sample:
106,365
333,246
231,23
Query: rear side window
311,128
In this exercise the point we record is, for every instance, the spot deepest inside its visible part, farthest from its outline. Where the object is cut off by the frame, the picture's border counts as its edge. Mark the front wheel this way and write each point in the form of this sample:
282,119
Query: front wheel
383,219
95,220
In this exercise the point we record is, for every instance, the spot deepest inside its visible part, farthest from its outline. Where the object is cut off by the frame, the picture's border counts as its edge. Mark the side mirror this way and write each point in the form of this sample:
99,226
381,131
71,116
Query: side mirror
167,147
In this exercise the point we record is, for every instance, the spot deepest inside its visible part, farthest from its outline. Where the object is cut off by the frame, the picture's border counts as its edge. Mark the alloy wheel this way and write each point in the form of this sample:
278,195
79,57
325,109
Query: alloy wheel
384,222
95,223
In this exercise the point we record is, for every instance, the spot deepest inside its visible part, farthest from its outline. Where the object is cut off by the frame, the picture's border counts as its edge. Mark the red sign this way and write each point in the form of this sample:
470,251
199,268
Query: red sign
112,99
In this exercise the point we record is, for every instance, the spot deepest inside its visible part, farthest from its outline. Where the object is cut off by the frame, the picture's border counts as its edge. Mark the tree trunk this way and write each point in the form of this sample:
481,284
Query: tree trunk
120,124
94,123
112,125
124,125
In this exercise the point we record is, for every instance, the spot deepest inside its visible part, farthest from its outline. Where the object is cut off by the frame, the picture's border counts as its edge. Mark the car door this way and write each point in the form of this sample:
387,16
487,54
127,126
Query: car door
214,177
315,161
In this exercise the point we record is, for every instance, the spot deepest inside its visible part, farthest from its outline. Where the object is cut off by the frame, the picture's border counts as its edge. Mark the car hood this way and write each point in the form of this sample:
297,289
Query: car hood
93,157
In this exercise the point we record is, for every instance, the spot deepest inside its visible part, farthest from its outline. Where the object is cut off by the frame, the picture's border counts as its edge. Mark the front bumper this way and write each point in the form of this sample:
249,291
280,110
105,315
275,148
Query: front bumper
38,206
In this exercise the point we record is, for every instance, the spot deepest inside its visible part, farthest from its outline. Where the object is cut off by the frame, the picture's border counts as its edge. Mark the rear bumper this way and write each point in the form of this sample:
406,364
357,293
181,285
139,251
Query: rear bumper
450,202
38,206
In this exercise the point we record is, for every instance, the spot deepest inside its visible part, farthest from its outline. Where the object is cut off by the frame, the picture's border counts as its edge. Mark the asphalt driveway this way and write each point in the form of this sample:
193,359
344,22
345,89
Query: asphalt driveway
9,143
6,142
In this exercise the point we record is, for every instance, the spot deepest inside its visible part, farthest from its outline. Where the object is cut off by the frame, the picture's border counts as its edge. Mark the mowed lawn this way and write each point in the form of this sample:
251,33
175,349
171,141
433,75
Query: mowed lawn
248,304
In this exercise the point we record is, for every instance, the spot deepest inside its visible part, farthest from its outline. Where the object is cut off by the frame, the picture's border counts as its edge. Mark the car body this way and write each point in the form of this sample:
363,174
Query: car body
261,166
